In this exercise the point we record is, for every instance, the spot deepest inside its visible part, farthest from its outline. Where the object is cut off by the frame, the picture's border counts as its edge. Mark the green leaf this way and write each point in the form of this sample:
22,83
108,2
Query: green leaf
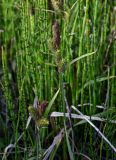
68,145
81,57
51,103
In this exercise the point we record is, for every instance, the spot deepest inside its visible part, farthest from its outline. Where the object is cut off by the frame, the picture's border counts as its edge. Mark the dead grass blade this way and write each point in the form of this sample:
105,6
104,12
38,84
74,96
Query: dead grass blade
99,132
75,116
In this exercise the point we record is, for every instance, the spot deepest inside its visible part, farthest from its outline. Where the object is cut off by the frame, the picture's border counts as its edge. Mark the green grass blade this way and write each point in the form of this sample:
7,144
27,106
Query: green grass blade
51,103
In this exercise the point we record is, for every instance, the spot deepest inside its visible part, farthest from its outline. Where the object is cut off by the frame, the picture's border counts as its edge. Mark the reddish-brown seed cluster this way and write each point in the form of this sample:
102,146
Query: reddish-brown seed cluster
56,35
41,107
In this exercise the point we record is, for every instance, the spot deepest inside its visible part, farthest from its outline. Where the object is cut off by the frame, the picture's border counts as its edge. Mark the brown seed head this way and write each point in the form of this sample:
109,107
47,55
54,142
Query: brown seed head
56,35
41,107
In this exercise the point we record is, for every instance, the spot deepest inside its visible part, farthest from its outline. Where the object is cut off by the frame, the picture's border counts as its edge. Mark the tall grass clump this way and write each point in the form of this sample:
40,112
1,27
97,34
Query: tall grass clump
58,79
